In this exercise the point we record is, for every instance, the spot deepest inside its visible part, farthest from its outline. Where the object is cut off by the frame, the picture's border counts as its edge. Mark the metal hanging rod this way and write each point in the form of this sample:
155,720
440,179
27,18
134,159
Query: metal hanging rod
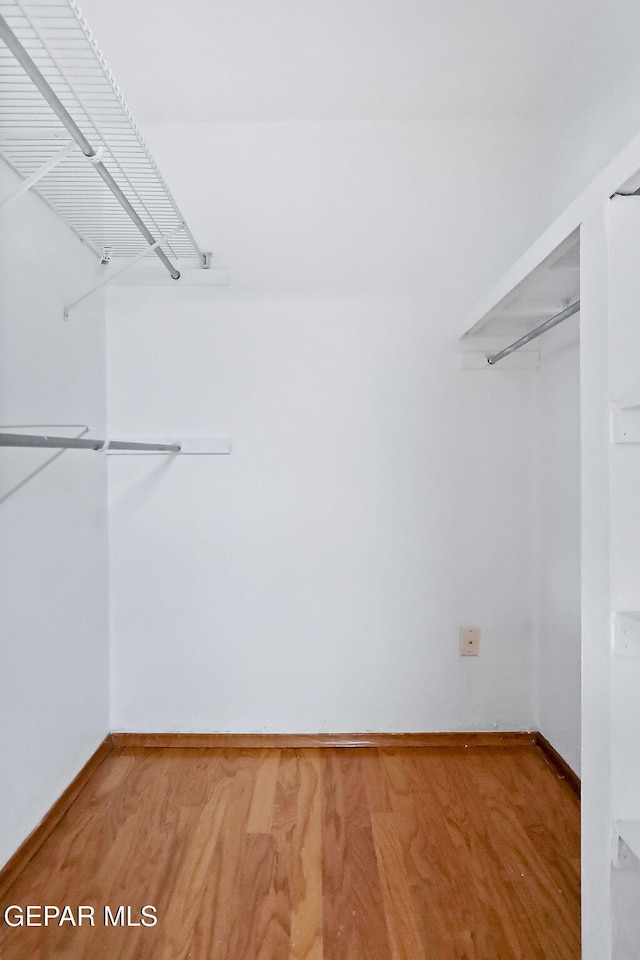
528,337
74,443
39,81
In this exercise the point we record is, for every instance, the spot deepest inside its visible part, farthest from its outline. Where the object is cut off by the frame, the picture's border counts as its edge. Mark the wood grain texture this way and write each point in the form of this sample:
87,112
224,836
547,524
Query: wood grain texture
306,863
354,922
399,909
264,794
298,741
400,853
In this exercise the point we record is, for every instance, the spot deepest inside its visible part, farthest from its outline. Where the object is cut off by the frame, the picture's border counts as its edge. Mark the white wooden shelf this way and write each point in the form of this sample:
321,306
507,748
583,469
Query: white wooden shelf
543,288
627,633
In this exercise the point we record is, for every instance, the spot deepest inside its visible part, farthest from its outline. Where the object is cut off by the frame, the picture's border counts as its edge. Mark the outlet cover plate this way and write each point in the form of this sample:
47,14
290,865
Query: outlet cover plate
469,641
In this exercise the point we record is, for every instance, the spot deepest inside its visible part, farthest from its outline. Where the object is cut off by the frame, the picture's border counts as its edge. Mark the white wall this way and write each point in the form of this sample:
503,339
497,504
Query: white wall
377,497
53,549
594,115
556,464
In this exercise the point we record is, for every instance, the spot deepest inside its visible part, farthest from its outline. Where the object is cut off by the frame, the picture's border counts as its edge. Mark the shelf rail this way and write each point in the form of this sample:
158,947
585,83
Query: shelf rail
82,443
534,334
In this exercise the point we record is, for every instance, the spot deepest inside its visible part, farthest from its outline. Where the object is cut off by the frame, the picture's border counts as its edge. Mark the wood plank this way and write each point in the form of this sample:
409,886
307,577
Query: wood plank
354,924
285,805
374,781
222,891
424,804
264,793
403,928
306,854
262,932
188,884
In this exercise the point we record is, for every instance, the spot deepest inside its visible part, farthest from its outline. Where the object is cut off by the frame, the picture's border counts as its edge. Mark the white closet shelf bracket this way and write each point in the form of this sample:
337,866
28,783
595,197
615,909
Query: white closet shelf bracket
113,274
119,195
41,172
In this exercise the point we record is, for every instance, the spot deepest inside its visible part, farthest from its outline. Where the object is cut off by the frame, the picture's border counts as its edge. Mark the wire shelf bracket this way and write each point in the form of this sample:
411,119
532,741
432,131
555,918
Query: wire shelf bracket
116,273
38,174
56,86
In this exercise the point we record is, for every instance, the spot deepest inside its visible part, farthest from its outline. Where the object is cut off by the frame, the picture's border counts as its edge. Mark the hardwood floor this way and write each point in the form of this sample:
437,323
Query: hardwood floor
312,854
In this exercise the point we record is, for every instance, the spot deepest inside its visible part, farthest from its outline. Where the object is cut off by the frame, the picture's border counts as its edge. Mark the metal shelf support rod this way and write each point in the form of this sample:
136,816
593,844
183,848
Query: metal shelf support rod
75,443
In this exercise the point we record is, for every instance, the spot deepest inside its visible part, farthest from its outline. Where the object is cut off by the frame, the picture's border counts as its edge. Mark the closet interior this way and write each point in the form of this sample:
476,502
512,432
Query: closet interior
311,569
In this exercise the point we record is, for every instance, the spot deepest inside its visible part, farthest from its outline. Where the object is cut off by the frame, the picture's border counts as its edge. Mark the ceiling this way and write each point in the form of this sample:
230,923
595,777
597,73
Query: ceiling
219,60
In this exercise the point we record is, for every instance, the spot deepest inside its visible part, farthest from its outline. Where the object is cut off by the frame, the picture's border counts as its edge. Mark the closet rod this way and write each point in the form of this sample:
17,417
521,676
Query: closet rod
32,71
547,325
63,443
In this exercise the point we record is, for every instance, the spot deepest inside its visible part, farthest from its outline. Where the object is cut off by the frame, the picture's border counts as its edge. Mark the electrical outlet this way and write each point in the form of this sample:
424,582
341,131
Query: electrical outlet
469,641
